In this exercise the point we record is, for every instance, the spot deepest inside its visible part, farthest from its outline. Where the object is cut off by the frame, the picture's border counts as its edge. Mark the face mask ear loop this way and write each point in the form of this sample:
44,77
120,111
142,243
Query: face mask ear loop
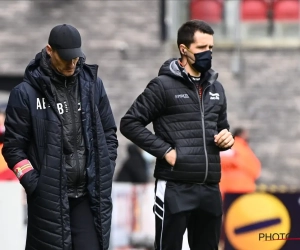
188,57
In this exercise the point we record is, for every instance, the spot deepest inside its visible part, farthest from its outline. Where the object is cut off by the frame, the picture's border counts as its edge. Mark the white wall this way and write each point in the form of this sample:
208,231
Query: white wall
12,216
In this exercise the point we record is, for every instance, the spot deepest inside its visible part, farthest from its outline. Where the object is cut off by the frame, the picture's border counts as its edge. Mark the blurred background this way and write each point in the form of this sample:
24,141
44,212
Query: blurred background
256,52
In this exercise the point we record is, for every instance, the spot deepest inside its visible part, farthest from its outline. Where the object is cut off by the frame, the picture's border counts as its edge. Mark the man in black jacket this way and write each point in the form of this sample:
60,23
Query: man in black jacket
187,106
60,141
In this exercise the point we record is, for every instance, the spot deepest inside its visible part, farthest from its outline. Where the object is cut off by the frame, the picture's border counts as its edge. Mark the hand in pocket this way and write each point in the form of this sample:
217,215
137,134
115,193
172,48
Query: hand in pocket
171,157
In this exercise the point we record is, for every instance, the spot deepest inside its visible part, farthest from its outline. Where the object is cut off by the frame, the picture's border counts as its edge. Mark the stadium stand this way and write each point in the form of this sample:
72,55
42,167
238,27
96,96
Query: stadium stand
286,18
254,18
210,11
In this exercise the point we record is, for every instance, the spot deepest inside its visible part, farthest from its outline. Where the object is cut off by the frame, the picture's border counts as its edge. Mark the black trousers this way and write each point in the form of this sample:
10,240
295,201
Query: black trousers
84,236
181,206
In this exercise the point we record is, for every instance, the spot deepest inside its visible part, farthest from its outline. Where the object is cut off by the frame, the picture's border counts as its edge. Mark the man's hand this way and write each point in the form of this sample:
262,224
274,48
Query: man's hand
171,157
224,139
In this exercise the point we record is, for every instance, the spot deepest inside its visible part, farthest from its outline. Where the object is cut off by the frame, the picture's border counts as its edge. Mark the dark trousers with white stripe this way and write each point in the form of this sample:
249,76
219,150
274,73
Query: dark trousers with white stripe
181,206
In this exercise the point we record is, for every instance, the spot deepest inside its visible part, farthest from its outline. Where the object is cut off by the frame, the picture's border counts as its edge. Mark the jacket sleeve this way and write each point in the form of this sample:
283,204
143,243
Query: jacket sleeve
146,108
222,120
17,139
108,122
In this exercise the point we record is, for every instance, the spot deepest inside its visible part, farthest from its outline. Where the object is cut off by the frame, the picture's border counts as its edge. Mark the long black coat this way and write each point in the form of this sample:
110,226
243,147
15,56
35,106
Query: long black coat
34,132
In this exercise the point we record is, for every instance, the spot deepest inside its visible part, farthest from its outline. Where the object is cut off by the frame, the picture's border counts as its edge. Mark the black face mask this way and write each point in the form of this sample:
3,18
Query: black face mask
202,61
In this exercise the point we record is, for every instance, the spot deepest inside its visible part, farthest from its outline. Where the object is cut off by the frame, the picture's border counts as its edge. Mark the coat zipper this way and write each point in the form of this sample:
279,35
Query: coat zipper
200,95
74,140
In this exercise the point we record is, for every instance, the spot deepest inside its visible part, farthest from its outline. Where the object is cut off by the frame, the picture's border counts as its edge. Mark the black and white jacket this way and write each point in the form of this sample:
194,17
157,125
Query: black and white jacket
181,120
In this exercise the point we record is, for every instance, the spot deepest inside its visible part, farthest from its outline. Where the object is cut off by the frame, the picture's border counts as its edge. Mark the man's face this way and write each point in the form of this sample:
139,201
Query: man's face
202,42
66,68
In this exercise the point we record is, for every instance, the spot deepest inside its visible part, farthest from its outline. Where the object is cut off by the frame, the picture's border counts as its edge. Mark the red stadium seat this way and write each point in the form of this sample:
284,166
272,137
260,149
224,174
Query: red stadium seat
254,10
207,10
286,10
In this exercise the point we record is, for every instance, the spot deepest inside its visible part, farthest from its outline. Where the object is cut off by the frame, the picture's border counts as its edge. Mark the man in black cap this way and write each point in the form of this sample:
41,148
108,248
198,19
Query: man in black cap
60,141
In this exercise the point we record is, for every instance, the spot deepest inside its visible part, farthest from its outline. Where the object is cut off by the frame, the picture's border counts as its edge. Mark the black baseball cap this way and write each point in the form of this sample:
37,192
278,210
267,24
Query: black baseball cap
66,40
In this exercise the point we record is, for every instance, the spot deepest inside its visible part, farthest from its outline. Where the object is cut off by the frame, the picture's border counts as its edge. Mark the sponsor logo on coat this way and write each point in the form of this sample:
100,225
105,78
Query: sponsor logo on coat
214,96
182,96
61,107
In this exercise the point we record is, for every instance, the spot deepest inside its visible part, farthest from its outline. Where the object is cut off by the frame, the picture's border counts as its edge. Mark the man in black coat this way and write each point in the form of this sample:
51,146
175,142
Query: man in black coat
187,106
60,141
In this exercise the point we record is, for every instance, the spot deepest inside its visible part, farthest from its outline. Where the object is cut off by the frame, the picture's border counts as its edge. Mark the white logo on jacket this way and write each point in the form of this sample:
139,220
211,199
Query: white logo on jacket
214,96
182,96
61,107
